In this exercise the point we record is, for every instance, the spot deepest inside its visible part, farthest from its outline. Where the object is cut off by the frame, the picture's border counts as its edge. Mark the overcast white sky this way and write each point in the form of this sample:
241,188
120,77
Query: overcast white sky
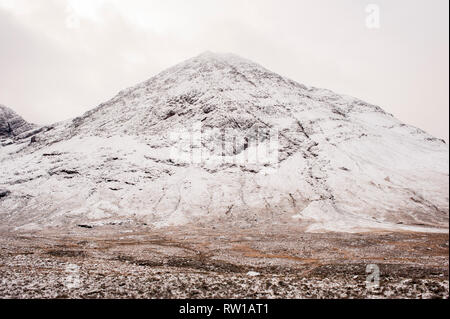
60,58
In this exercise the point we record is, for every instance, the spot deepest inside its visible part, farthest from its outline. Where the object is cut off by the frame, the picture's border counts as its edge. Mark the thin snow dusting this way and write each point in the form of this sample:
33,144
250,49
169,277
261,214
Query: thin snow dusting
342,164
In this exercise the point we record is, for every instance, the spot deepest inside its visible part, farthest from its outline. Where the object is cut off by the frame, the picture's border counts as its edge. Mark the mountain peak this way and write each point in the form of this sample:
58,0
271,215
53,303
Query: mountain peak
11,124
210,55
214,88
210,63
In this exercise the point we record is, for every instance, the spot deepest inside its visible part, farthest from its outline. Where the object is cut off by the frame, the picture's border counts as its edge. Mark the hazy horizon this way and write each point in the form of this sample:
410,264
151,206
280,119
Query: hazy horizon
60,58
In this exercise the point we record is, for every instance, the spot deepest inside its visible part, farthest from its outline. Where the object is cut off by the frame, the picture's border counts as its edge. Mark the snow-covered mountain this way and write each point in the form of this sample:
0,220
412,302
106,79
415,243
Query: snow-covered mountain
12,124
333,162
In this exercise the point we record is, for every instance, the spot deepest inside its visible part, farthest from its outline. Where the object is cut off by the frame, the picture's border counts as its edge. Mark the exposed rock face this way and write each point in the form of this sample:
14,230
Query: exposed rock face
341,164
4,193
12,124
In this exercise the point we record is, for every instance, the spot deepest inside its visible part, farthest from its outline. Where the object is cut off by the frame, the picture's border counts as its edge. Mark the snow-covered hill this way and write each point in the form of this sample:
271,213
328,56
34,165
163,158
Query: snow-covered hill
270,151
12,124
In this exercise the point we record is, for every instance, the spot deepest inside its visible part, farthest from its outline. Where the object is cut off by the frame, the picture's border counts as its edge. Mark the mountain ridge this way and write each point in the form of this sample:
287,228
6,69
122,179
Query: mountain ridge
12,124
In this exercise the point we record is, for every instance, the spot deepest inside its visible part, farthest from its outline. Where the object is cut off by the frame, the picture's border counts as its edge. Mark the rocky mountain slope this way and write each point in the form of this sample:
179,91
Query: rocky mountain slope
12,124
329,162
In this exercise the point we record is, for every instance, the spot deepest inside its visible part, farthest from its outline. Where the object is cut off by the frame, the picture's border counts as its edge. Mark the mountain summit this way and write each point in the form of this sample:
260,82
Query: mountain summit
12,124
220,139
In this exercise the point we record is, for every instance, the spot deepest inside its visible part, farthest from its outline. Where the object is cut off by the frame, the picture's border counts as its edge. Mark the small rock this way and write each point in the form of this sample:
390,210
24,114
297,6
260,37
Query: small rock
253,274
4,193
85,226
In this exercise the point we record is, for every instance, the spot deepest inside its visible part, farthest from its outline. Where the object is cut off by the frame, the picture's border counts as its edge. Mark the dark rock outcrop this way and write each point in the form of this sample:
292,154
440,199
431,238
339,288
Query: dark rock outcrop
11,124
4,193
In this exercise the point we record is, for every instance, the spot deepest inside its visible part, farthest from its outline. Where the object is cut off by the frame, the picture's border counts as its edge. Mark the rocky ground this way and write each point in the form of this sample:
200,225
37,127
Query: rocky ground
139,262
